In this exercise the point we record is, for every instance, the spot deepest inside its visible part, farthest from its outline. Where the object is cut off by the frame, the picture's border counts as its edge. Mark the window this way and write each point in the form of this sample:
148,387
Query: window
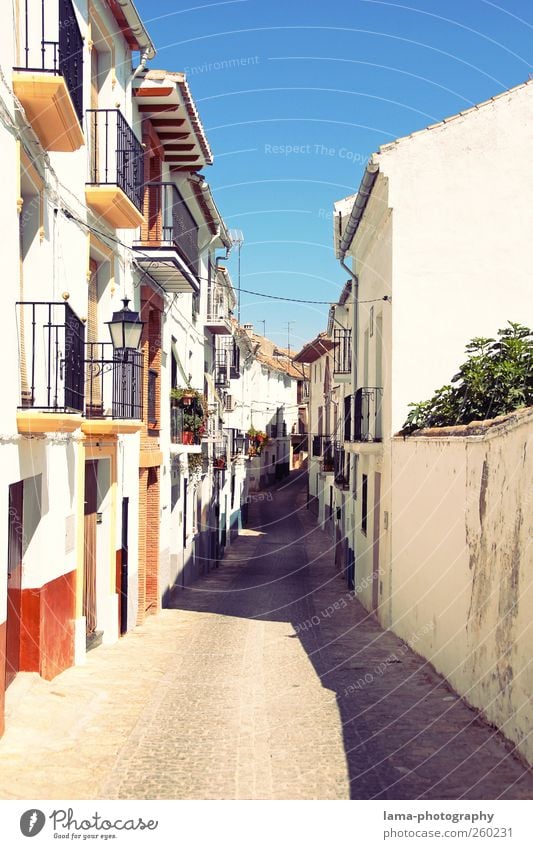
364,506
355,471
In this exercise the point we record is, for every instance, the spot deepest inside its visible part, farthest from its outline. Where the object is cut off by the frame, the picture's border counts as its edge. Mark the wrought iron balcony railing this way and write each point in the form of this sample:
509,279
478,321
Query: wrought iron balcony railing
60,372
51,357
341,468
179,435
322,446
347,418
367,414
222,376
169,222
342,353
51,43
116,154
113,382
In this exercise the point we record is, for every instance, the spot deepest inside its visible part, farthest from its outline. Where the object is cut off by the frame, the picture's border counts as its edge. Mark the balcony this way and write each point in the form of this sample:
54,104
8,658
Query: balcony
114,190
348,418
67,383
322,448
49,78
367,423
51,367
341,468
342,355
113,389
222,376
218,319
178,434
167,242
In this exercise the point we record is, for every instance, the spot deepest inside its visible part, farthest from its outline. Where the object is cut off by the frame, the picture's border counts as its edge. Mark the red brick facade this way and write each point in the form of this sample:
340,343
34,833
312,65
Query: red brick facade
149,475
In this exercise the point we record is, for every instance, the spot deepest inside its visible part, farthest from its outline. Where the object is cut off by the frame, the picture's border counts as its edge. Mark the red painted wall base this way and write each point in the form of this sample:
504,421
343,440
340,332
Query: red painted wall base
47,627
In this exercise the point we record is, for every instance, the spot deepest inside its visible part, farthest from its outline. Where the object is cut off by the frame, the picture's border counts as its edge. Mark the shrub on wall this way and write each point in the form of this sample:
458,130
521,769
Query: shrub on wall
496,378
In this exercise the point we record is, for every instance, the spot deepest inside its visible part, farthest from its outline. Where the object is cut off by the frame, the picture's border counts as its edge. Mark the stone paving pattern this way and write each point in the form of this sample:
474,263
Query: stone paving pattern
227,696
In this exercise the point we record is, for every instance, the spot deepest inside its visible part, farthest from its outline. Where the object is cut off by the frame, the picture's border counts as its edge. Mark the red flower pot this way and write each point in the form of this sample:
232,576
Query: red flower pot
187,437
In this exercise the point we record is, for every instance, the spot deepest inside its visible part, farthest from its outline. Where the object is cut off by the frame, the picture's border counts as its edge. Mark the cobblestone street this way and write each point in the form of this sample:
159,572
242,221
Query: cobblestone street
227,696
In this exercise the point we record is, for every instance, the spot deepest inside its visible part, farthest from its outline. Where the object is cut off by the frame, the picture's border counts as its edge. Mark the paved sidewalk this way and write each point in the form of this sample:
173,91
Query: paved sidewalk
225,696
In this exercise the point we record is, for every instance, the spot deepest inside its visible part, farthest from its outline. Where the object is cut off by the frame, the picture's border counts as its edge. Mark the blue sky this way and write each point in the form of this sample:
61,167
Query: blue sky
294,97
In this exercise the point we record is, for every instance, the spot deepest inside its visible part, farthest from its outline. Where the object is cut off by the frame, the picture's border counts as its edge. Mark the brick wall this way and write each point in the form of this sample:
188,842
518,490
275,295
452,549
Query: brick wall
149,477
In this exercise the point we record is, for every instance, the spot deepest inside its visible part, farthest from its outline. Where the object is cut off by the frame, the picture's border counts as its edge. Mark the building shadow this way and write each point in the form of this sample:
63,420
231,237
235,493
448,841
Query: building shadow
405,733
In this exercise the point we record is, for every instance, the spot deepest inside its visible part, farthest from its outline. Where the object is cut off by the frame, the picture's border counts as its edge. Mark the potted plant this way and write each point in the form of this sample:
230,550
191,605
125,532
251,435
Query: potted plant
258,440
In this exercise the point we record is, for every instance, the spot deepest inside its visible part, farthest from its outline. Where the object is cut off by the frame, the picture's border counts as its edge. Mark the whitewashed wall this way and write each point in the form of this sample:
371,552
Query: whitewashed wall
462,524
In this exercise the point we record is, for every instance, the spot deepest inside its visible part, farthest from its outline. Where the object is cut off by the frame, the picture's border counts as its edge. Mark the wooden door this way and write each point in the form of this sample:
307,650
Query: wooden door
123,605
14,580
89,559
375,542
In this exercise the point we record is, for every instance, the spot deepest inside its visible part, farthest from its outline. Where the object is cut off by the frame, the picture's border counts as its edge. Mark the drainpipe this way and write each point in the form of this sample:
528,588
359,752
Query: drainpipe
346,239
148,54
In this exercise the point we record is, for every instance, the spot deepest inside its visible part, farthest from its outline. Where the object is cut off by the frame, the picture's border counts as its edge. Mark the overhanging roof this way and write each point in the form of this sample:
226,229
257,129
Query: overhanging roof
314,350
165,98
167,268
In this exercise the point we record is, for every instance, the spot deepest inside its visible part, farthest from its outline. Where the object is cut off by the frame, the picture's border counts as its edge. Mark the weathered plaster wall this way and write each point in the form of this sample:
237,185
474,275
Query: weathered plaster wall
462,563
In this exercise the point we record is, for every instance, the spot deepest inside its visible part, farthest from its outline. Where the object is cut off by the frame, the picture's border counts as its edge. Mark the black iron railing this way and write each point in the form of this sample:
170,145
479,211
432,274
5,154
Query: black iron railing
322,446
341,468
367,414
113,382
51,355
52,43
342,353
169,222
348,418
235,362
221,367
116,154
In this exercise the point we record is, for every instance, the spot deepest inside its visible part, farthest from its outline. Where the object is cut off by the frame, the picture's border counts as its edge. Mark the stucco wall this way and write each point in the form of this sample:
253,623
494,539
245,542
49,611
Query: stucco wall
462,564
461,195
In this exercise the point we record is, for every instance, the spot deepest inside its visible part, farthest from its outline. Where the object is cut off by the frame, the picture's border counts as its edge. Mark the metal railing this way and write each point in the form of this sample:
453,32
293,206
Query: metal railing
51,356
348,418
169,222
52,43
116,154
367,414
113,382
218,307
342,353
341,469
221,368
322,446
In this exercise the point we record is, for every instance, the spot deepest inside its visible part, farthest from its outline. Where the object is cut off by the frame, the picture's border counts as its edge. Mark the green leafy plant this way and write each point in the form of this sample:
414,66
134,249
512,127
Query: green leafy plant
496,378
194,406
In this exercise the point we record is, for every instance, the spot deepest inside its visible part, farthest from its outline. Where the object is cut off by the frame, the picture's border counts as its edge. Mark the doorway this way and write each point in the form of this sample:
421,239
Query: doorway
123,609
89,556
375,541
14,580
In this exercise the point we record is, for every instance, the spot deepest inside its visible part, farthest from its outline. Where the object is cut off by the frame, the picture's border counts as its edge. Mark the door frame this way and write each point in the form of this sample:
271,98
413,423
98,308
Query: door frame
14,580
375,540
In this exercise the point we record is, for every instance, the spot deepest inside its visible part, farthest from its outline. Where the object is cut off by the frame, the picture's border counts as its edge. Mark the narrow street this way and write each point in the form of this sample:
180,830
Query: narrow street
229,695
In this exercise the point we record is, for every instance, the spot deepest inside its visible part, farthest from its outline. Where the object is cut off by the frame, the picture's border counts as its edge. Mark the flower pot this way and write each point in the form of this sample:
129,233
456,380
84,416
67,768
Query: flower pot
187,437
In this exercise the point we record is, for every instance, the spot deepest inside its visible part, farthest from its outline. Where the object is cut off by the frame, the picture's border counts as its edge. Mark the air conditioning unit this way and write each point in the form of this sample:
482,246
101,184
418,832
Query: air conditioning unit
230,403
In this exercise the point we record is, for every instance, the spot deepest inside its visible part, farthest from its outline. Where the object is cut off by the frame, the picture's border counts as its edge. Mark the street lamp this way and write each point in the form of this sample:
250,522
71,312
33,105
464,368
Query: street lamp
125,328
239,443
